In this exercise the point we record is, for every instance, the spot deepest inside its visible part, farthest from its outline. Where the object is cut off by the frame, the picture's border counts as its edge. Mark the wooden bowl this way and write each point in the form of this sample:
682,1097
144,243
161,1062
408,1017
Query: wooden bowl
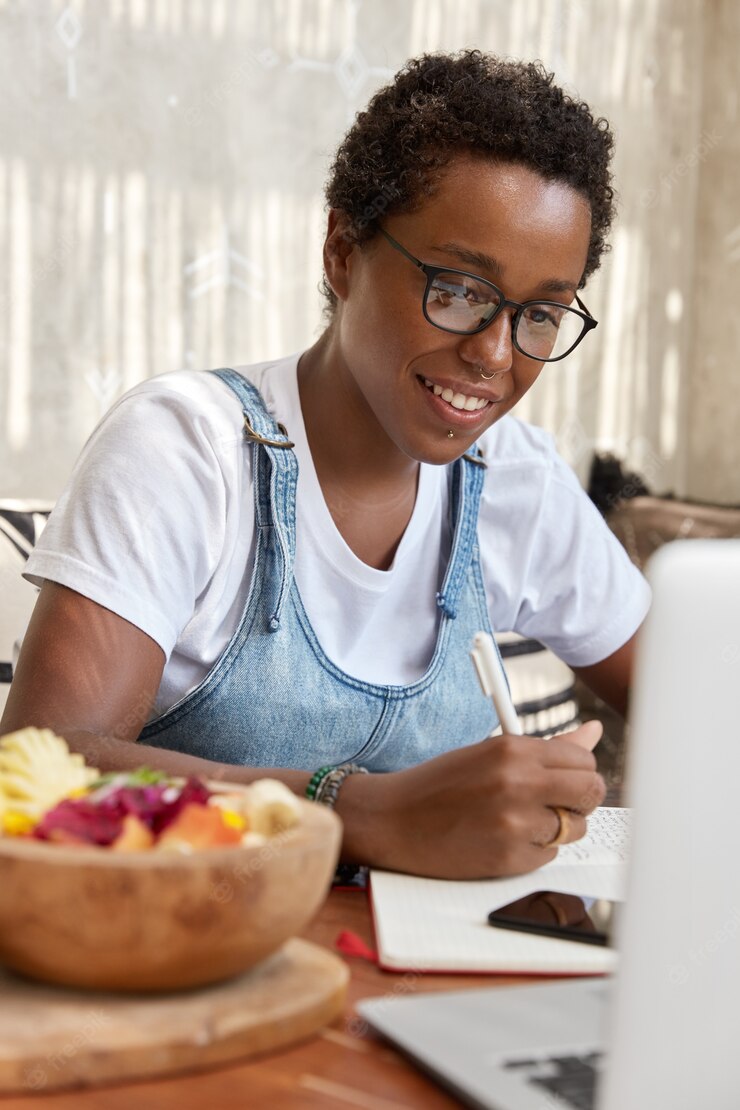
157,921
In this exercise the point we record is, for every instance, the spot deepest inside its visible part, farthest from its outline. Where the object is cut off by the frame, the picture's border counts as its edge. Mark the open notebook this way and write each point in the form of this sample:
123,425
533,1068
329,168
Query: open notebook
441,925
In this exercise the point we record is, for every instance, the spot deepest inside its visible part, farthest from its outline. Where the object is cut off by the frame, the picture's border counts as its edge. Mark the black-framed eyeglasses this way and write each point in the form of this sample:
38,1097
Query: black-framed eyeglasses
463,303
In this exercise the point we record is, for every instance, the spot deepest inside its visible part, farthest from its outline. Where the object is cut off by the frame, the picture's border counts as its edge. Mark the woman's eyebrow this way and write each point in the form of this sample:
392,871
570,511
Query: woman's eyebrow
487,262
473,258
557,285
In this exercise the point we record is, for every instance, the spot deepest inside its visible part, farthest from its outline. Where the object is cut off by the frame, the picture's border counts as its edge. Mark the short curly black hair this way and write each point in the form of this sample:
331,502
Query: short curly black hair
441,105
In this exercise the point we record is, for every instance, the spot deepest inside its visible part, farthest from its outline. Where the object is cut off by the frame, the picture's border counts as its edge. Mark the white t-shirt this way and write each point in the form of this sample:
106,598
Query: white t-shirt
157,525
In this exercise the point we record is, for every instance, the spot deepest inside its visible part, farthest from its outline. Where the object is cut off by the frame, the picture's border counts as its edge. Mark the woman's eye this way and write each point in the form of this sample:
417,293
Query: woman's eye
450,289
447,291
542,315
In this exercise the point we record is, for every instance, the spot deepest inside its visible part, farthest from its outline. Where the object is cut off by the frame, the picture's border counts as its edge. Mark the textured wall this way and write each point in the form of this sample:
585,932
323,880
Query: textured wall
161,180
713,388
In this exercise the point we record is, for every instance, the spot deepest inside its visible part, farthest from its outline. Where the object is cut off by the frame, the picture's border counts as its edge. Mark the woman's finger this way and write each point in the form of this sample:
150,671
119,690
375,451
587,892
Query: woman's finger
559,824
581,791
562,752
586,736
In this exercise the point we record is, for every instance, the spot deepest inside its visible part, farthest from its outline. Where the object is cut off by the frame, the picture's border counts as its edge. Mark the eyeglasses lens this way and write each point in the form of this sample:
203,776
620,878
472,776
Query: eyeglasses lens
548,330
462,304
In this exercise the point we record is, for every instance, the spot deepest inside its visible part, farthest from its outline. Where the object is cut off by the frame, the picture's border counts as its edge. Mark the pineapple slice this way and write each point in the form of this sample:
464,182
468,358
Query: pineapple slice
270,807
37,770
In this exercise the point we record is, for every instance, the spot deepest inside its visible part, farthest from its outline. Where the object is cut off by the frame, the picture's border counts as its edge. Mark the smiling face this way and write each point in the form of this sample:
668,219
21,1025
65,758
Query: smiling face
502,222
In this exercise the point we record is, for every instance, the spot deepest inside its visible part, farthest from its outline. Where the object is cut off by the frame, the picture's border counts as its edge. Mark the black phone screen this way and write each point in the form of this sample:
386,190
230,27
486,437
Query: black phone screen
570,916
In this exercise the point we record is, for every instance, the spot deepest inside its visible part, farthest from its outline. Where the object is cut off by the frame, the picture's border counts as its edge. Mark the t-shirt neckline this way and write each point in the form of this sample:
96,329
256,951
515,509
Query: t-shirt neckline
320,521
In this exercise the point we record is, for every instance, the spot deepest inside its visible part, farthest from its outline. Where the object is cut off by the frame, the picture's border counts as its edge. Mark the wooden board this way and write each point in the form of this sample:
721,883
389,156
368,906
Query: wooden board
52,1037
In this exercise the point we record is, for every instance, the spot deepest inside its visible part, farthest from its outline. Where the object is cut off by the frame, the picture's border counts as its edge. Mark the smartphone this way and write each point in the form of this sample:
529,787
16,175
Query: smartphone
568,916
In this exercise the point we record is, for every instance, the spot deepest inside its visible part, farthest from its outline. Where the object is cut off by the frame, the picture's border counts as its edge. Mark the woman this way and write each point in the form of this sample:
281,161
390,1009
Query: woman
284,567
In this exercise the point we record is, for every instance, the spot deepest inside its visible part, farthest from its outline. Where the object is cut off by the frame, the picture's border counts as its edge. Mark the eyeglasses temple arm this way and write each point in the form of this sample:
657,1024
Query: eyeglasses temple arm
404,252
583,308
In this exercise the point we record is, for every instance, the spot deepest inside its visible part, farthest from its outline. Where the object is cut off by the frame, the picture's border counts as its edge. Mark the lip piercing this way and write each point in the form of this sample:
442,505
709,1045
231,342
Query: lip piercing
450,434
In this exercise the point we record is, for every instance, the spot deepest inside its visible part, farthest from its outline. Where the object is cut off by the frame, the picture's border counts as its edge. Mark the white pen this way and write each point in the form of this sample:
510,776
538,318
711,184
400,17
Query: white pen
493,683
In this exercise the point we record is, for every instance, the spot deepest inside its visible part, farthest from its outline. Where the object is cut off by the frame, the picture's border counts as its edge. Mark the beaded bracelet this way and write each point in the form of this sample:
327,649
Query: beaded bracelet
315,782
324,784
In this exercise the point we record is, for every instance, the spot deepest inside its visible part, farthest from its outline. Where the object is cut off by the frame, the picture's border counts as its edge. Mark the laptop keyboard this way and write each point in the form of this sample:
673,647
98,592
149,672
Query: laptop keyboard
571,1080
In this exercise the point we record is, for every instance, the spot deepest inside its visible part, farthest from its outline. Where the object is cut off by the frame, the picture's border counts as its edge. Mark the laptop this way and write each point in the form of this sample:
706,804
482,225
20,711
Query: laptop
664,1032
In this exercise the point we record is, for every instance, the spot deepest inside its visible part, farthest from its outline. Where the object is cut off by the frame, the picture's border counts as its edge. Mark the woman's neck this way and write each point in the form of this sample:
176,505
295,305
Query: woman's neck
343,432
369,485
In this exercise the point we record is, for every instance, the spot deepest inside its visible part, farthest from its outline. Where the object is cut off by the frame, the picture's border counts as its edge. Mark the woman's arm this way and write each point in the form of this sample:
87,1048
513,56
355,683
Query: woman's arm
474,812
610,679
92,677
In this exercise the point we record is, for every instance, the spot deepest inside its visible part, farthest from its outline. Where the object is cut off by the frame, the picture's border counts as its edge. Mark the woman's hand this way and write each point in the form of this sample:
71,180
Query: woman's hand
479,811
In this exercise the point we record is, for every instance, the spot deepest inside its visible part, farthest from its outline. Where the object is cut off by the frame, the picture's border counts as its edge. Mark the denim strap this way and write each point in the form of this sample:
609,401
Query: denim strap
275,478
468,474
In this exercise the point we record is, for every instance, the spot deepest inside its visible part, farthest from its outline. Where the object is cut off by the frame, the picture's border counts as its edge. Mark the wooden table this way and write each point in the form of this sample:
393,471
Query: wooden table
344,1066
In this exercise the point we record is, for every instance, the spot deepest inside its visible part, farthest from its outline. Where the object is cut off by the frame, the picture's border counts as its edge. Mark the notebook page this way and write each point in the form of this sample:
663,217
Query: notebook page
606,841
594,865
441,925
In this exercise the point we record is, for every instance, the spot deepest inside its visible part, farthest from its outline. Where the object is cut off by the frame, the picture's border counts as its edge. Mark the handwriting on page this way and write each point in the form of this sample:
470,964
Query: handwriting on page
607,839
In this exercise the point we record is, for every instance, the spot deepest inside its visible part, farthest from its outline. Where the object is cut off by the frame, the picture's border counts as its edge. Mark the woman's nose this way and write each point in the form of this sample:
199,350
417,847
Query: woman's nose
491,348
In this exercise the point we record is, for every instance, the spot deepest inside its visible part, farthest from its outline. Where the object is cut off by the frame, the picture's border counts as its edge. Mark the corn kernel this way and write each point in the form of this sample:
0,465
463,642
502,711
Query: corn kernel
16,824
233,820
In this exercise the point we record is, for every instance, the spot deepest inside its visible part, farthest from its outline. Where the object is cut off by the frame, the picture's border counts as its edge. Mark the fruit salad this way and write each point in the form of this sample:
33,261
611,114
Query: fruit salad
49,793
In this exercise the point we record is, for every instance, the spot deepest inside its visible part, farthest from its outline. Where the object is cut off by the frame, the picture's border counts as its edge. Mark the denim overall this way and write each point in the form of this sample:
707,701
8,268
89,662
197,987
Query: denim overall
274,699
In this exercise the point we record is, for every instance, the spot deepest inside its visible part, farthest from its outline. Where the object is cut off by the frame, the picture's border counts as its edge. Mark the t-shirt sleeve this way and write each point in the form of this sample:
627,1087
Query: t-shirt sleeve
140,525
581,595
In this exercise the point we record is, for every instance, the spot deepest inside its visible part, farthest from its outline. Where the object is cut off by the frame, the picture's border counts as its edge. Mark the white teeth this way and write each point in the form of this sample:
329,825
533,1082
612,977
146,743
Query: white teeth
457,400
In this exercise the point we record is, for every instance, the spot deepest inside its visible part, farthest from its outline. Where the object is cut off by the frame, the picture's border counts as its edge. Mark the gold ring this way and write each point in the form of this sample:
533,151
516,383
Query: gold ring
563,816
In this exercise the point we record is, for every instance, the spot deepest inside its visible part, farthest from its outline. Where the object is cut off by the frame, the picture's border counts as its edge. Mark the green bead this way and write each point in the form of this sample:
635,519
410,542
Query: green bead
316,779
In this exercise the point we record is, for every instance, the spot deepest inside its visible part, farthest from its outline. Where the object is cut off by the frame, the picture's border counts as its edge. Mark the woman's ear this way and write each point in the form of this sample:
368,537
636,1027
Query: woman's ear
338,247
